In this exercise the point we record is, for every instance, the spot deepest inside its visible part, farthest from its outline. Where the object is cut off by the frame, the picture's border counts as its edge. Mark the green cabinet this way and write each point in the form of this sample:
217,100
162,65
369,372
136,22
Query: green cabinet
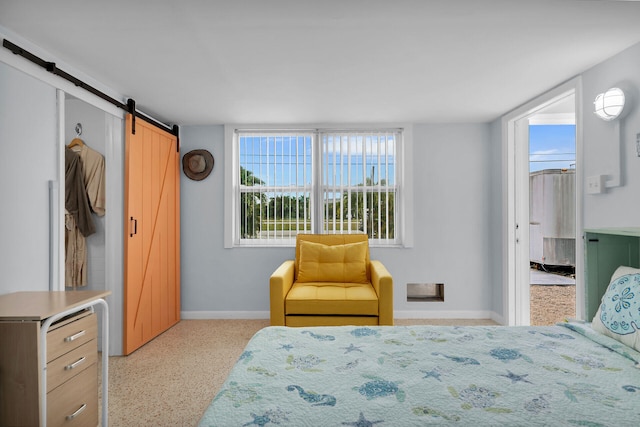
605,250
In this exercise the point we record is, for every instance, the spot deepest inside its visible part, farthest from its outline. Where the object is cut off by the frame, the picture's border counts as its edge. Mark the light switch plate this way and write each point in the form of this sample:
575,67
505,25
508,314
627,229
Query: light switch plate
595,184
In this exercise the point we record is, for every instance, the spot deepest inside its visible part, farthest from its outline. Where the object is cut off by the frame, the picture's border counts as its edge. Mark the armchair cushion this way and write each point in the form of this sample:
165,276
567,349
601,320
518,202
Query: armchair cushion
332,298
335,264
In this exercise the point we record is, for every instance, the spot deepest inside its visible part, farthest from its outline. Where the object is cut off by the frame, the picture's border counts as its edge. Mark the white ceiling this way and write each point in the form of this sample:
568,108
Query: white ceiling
326,61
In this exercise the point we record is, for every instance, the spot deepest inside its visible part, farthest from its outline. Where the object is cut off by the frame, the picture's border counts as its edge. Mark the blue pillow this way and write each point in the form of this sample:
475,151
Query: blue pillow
619,313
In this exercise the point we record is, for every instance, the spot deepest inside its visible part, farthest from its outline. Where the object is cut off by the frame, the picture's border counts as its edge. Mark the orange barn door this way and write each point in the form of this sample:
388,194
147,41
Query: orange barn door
152,239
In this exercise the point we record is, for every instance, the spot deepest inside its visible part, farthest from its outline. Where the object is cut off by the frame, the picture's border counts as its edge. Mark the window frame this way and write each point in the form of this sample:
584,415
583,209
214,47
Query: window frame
404,193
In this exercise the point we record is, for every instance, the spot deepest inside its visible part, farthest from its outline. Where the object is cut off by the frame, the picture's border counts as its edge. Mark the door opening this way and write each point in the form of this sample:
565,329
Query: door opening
552,212
543,206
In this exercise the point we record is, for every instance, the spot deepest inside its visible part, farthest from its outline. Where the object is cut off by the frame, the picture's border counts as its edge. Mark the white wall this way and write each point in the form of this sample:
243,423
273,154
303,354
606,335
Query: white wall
497,196
452,221
618,207
28,161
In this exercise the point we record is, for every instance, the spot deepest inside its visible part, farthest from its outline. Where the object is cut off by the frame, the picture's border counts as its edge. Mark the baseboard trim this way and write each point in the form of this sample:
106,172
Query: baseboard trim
436,314
199,315
399,314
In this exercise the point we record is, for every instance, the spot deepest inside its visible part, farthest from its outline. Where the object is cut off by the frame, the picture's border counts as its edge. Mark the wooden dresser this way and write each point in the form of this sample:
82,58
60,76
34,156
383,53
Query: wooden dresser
49,358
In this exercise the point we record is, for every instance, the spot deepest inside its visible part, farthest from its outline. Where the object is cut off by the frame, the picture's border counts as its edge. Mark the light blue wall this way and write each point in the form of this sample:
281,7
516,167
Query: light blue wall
452,237
618,207
457,201
215,279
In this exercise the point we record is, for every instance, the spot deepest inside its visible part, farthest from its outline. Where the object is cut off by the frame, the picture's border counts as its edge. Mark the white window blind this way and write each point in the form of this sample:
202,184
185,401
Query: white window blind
275,186
359,183
317,181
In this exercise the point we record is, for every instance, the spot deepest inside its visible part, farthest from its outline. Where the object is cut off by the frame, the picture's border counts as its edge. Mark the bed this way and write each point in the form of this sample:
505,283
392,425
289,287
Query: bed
562,375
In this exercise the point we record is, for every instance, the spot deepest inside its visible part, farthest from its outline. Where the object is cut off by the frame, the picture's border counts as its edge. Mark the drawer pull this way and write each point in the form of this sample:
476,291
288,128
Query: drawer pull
78,412
74,364
75,336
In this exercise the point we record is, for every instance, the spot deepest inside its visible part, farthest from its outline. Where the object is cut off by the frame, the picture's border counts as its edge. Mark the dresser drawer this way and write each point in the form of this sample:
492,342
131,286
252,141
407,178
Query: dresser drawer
65,338
71,364
75,403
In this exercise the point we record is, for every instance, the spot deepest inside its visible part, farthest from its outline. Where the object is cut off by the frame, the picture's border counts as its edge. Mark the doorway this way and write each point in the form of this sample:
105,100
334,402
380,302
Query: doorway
537,226
102,129
552,212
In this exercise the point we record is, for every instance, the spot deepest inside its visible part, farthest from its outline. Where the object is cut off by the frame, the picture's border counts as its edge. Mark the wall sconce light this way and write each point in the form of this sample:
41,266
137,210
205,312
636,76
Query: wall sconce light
609,105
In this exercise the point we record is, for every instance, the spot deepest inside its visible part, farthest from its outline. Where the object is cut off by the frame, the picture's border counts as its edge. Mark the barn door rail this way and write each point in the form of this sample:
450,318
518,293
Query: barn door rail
52,68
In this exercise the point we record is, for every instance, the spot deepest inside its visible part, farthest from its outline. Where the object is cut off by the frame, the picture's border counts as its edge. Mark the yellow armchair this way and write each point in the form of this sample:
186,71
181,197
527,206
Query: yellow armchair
332,281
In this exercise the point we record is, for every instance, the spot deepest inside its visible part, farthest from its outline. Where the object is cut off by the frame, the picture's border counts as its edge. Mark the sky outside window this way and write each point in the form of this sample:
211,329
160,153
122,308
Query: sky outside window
283,161
552,147
278,161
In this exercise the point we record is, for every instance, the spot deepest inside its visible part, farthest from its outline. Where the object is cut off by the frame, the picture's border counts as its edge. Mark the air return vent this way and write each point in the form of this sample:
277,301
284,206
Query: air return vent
417,292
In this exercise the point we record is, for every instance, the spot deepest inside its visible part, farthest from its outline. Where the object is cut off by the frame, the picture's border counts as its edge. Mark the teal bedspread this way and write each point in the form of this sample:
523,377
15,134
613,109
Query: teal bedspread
563,375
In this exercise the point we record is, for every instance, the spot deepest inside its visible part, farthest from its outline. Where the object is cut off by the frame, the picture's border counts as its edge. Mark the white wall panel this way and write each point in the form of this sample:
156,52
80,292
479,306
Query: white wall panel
28,162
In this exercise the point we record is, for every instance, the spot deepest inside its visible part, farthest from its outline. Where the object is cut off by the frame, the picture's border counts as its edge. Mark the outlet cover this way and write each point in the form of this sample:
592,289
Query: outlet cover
595,184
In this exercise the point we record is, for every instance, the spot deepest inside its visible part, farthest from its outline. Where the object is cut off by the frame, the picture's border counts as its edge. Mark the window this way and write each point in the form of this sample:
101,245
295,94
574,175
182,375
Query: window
320,181
358,190
275,185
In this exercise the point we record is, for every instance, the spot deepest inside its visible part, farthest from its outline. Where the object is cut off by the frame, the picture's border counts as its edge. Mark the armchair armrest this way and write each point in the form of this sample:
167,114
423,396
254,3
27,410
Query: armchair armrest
383,284
279,284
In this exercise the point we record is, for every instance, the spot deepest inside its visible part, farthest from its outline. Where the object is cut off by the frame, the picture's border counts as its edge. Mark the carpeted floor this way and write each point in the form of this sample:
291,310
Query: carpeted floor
170,381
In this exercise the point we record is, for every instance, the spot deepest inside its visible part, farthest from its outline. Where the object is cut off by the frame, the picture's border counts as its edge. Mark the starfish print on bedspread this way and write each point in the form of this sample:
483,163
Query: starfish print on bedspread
362,422
516,378
351,348
435,373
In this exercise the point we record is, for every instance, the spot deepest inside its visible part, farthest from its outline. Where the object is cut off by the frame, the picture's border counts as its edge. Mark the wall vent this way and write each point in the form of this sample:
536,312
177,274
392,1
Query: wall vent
420,292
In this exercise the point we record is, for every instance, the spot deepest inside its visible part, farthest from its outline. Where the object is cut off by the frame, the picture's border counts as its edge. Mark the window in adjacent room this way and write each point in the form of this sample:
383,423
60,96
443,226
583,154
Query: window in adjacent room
320,181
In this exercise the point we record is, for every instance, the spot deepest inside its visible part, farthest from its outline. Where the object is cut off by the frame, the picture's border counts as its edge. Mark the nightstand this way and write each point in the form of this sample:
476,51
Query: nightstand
49,358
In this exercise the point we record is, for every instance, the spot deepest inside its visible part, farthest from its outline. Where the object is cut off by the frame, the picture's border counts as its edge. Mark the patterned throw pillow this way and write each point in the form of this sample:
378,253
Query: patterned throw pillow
619,314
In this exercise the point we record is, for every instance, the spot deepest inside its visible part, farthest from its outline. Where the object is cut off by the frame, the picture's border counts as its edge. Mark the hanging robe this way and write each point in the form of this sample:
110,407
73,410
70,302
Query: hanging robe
92,173
93,165
78,221
75,195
